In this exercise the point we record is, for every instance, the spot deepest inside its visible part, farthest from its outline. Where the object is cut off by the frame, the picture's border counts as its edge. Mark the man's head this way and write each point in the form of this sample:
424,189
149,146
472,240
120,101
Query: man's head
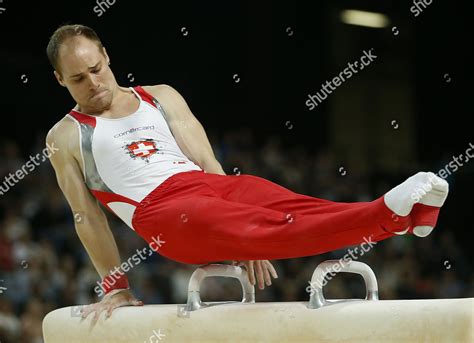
81,64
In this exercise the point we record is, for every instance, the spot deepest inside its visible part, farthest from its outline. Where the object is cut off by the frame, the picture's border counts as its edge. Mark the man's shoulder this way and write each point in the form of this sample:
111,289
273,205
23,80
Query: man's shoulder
162,92
168,97
62,133
63,127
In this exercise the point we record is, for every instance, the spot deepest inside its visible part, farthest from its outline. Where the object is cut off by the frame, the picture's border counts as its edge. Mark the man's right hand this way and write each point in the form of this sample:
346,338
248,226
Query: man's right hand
109,303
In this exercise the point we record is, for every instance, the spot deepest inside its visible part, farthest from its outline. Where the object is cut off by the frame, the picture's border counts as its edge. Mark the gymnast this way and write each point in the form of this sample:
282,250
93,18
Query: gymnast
142,154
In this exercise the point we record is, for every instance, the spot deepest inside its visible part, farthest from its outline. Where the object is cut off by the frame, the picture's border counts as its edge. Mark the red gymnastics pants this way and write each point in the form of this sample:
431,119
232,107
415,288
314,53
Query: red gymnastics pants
202,218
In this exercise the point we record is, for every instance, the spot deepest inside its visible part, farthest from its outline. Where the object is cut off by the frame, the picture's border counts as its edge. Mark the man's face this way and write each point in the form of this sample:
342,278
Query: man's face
84,70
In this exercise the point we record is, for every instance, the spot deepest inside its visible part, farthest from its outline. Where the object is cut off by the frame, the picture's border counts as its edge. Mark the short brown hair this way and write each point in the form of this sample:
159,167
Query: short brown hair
65,32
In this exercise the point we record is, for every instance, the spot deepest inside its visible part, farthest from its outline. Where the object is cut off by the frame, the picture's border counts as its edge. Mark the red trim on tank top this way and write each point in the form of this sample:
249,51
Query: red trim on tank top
82,118
145,95
105,198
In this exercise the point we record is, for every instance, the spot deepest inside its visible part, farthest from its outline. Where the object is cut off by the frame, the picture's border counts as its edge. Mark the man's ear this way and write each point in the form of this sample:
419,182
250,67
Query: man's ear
59,78
107,58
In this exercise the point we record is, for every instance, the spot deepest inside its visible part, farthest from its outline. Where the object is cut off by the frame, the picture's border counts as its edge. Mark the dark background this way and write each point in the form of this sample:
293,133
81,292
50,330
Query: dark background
276,70
279,53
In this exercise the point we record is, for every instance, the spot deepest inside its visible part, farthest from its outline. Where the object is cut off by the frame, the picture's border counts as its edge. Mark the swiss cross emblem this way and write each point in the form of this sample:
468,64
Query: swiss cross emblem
142,149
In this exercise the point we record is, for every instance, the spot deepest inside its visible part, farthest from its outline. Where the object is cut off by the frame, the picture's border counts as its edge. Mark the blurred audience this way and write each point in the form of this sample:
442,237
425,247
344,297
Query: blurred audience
43,265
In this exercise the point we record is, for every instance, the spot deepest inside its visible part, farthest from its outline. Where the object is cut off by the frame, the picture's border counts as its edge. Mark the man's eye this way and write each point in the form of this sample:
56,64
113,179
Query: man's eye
78,79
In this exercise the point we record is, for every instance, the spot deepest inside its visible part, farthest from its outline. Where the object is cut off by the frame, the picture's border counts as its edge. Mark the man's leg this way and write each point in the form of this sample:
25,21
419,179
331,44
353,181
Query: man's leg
420,196
199,225
255,190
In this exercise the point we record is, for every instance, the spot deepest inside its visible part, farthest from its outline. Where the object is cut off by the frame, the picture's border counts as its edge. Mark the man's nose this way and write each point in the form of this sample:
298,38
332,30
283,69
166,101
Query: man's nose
93,82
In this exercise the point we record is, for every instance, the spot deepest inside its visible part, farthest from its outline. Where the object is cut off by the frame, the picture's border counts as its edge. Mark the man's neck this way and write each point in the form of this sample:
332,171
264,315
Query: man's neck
101,112
119,108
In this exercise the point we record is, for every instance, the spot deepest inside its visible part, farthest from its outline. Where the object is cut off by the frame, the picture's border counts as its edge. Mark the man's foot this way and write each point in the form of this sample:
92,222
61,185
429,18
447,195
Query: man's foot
421,196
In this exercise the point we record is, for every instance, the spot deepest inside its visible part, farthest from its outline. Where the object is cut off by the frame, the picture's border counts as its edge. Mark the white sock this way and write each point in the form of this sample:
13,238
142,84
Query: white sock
423,187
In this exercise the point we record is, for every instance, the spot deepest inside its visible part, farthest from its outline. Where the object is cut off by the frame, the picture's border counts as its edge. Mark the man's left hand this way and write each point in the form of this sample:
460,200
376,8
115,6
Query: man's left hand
263,268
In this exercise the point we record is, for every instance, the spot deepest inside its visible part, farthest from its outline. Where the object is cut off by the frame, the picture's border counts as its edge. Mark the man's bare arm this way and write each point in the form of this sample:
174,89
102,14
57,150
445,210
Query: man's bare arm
90,221
187,130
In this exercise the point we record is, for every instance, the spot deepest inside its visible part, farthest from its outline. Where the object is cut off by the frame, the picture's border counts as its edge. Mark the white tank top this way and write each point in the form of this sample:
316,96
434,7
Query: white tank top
125,159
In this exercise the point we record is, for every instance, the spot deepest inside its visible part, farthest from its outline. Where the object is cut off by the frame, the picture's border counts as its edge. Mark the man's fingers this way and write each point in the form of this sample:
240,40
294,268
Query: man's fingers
272,269
108,305
97,315
109,312
129,302
264,270
86,310
251,273
261,283
268,278
133,302
112,307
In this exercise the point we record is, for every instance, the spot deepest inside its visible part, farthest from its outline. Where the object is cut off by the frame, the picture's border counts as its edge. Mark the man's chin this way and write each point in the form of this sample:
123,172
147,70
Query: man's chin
99,106
100,96
102,102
